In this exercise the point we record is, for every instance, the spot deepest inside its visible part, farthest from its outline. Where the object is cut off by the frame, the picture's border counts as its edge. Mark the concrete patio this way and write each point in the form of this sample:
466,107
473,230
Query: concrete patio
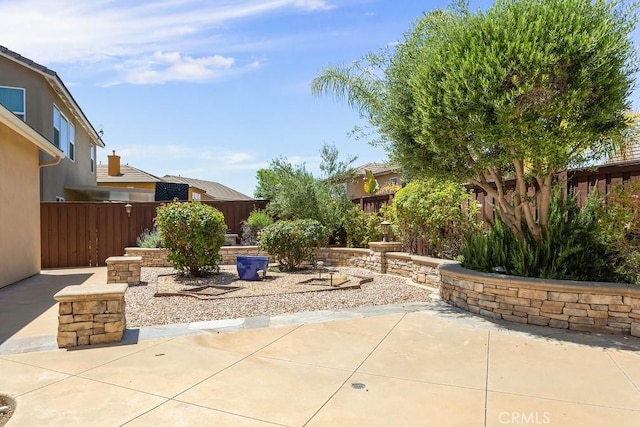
413,364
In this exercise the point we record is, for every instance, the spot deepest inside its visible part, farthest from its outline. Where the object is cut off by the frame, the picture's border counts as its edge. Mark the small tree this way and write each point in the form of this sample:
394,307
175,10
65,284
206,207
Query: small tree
251,228
292,242
193,233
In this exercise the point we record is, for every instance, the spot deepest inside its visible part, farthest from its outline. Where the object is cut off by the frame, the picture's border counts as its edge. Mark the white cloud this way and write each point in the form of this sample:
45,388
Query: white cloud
126,34
313,4
163,67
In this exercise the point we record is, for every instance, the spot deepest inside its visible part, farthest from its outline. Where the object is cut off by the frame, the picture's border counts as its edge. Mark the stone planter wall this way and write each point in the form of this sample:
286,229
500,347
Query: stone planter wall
341,257
157,257
229,253
91,314
420,269
151,257
124,269
581,306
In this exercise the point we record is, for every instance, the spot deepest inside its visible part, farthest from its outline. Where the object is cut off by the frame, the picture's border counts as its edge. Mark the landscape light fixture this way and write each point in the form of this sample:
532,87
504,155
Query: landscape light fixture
385,225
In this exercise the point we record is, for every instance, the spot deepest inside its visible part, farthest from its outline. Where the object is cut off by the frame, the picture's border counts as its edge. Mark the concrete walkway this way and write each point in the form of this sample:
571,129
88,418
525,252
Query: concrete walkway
414,364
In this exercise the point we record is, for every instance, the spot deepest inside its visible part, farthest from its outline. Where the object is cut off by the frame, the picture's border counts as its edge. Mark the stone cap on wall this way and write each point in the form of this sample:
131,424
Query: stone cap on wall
420,259
606,288
91,292
117,259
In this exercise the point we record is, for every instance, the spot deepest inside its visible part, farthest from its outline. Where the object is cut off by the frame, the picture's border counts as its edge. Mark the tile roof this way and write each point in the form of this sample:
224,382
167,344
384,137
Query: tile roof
127,174
632,153
377,168
214,190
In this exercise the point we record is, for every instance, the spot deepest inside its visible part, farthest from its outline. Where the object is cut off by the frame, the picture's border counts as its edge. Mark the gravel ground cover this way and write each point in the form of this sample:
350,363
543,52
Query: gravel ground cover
145,309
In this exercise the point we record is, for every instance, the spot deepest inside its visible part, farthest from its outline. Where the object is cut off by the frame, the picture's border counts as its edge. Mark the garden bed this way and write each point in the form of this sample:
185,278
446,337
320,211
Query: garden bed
145,309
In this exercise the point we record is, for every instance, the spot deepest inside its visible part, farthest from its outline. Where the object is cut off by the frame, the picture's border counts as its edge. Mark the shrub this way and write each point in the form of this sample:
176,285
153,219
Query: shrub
570,249
361,227
292,242
150,239
257,220
432,209
193,233
620,225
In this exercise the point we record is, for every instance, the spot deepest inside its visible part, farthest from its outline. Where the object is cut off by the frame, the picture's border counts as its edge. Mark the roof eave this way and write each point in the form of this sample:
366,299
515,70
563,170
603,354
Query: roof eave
27,132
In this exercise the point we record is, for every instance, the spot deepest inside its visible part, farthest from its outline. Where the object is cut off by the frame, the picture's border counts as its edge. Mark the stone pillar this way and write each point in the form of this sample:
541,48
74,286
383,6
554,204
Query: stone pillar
91,314
124,269
378,250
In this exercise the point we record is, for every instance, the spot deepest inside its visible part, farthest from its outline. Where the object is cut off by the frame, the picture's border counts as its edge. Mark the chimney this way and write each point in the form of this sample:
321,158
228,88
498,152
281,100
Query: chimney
114,164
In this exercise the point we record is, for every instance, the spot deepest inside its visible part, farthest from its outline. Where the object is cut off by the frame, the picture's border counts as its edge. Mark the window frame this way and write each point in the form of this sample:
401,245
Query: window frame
92,159
24,101
71,133
66,145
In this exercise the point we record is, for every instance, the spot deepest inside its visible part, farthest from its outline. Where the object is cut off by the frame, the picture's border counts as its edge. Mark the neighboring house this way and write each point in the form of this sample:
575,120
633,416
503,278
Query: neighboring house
127,183
389,177
21,148
37,95
212,190
632,153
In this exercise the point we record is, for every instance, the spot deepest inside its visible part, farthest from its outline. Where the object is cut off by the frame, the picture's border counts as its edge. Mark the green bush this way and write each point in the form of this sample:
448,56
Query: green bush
292,242
361,227
572,247
193,233
257,220
431,209
620,225
150,239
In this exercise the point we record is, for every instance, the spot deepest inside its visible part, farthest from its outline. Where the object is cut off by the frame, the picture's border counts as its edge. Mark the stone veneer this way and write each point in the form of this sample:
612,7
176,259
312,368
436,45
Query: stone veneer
124,269
90,314
151,257
157,257
581,306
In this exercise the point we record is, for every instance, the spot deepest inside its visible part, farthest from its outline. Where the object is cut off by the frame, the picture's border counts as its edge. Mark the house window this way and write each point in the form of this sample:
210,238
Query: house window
13,98
72,142
342,188
196,196
92,154
64,134
393,181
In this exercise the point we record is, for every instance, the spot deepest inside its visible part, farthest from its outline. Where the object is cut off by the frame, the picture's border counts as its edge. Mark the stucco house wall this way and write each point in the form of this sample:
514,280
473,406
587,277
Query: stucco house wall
19,198
355,189
43,91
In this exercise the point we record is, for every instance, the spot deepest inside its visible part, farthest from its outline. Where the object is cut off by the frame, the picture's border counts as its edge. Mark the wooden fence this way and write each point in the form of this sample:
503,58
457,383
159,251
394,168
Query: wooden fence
78,234
578,182
373,203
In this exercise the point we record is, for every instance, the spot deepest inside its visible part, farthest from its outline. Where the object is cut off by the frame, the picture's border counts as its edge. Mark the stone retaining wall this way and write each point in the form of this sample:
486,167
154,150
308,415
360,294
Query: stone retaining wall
229,253
151,257
420,269
90,314
581,306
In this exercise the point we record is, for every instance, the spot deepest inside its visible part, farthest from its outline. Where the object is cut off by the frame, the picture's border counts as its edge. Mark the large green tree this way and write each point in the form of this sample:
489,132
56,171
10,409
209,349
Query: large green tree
521,91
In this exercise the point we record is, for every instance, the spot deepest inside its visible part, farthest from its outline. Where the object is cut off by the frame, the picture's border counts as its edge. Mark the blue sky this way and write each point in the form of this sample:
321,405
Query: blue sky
210,89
